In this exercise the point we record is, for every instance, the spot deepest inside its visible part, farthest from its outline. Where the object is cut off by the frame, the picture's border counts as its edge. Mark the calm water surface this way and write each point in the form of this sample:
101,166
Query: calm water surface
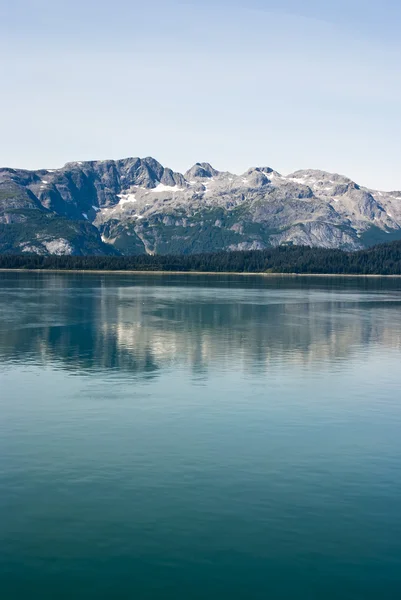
192,437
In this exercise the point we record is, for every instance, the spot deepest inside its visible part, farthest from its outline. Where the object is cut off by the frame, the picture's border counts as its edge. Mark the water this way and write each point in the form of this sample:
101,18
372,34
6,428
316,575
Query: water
194,437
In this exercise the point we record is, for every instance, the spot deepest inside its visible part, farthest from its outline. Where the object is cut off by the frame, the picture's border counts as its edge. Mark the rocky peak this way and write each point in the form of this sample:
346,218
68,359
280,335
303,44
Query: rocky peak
203,169
316,175
138,205
266,170
256,177
172,179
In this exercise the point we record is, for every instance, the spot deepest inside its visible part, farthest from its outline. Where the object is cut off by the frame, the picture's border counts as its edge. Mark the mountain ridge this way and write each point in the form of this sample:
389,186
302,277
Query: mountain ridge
136,205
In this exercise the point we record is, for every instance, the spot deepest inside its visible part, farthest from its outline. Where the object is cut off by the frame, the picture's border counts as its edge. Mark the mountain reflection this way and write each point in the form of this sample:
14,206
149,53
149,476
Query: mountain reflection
144,324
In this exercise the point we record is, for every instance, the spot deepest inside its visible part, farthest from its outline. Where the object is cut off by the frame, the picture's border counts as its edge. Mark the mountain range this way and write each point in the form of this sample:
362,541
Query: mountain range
137,206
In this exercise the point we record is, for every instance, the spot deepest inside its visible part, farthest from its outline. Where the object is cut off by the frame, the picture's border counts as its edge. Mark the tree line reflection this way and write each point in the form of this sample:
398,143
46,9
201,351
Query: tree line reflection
142,325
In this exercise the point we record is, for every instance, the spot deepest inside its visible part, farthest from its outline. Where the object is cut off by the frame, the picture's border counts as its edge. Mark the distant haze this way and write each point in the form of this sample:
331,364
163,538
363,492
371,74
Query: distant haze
285,84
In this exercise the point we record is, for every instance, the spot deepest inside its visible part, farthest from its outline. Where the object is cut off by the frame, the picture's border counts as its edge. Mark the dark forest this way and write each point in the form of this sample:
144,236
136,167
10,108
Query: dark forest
384,259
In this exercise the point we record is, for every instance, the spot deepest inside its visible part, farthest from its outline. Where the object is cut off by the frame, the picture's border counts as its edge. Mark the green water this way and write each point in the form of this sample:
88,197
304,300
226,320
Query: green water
189,437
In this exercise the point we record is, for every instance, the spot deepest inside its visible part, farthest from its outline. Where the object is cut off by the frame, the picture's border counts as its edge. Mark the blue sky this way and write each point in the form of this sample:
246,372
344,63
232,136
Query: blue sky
285,84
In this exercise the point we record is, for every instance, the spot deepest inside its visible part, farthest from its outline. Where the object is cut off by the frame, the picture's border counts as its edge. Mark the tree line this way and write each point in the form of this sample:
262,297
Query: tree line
383,259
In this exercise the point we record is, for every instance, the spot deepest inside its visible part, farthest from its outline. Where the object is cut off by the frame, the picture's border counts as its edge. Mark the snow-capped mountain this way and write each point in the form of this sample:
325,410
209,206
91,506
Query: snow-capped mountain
134,205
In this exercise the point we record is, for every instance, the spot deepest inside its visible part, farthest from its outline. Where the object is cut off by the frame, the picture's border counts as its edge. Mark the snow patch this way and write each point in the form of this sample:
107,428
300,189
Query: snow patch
124,198
302,180
44,181
166,188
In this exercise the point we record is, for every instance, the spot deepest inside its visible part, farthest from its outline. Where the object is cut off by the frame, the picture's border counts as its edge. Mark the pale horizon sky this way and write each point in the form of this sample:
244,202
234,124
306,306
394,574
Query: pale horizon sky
285,84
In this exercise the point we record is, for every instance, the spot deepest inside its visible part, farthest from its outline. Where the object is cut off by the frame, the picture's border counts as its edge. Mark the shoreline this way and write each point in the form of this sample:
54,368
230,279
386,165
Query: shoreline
195,273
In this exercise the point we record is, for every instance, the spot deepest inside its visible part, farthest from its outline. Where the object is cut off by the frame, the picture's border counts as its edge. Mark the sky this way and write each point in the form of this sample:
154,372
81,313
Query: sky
282,83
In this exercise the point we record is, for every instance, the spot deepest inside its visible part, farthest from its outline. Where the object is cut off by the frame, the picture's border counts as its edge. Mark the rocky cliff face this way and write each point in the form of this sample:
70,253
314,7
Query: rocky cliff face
135,205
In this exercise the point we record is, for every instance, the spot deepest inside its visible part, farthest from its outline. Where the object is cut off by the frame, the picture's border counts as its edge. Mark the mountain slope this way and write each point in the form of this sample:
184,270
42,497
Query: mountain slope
135,206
